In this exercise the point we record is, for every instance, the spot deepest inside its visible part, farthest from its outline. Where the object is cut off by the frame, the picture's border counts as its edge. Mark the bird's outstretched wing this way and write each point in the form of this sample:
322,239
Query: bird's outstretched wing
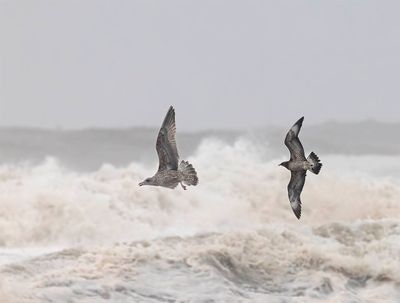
293,143
166,145
295,186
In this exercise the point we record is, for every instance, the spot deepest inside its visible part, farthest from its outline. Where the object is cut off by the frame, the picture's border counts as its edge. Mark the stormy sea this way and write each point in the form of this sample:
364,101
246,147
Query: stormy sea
76,227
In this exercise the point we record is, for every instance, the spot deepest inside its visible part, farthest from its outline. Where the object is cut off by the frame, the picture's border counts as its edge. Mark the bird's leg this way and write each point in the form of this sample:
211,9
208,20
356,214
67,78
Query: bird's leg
183,186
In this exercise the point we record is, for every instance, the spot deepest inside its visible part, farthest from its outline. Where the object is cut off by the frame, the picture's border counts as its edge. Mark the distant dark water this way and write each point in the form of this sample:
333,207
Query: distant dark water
88,149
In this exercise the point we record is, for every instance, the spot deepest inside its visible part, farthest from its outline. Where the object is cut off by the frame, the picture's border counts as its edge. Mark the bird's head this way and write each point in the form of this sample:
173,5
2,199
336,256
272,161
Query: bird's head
147,181
285,164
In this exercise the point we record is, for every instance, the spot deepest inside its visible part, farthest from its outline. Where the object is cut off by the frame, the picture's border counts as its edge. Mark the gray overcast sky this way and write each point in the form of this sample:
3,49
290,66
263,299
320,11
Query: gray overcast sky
222,63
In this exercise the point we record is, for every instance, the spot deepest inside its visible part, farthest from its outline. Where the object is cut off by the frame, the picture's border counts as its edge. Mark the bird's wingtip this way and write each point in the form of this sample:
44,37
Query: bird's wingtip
296,207
297,126
297,213
299,122
171,111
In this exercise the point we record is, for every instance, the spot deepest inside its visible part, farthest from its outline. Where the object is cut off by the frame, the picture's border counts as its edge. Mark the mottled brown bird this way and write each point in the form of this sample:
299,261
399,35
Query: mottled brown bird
169,173
298,165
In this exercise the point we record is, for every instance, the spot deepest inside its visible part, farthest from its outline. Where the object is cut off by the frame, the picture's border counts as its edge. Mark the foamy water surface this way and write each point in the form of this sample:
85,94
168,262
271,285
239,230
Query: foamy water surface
70,236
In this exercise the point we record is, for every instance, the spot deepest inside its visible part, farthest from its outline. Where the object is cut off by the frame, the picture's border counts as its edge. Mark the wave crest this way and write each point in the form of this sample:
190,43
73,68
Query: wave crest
239,189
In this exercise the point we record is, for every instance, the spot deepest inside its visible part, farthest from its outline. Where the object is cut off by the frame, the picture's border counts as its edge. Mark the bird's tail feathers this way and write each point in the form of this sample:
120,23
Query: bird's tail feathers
189,173
315,163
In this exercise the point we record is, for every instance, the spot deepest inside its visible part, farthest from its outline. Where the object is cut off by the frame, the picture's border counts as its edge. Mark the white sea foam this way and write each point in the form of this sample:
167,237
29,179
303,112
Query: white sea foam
233,237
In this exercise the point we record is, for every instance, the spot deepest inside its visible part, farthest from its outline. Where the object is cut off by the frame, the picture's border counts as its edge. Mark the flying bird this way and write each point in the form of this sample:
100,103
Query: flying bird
169,173
298,165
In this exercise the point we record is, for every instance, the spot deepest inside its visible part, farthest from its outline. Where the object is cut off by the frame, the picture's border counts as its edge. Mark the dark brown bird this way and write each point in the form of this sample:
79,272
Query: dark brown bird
298,165
169,173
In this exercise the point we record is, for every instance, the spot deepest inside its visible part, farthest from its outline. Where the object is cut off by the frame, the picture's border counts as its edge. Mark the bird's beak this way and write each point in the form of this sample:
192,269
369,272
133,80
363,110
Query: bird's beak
141,183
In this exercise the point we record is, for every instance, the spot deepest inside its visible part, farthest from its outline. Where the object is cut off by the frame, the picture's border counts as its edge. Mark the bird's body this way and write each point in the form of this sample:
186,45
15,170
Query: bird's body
168,178
298,165
169,173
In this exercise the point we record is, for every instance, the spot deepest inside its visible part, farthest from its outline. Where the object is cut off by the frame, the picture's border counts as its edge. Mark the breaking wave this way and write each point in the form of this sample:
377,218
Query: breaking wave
51,205
334,262
232,238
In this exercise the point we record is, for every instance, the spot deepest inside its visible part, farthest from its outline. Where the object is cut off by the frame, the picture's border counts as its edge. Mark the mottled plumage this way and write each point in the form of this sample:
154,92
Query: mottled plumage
166,144
169,173
298,165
